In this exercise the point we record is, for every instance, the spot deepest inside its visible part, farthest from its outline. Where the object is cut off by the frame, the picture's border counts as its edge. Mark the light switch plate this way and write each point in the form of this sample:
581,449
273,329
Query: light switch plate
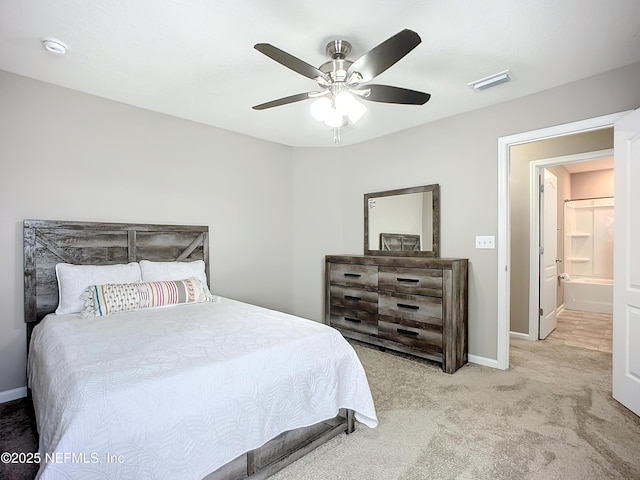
485,241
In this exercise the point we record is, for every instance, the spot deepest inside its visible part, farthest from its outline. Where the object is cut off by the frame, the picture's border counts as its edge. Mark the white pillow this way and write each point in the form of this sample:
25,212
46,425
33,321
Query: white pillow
74,279
163,271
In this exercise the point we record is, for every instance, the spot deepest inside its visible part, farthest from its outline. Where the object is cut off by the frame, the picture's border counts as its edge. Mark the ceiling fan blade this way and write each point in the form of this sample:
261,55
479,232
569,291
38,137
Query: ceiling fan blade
379,58
289,61
284,101
388,94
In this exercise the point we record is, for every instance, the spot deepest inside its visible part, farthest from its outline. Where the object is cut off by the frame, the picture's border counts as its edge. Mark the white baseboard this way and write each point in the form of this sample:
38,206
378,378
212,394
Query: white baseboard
14,394
521,336
487,362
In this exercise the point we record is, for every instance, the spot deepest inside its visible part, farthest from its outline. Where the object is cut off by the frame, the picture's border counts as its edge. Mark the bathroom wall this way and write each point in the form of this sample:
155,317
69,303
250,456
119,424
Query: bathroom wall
598,183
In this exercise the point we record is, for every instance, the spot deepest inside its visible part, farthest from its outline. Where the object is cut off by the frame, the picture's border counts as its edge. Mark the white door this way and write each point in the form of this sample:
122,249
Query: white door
626,263
548,253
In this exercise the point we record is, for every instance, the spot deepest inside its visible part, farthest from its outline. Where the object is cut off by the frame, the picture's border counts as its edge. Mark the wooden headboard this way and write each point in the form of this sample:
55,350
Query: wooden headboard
49,242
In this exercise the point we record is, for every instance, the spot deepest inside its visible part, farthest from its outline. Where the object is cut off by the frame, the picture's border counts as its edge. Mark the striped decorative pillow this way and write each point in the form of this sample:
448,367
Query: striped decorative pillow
100,300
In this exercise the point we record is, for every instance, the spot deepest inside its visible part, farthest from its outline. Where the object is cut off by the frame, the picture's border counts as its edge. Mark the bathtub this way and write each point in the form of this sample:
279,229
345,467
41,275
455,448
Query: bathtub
589,294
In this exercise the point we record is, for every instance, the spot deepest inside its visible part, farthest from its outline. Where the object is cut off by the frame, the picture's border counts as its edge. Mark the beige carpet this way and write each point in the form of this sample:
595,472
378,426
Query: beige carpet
550,416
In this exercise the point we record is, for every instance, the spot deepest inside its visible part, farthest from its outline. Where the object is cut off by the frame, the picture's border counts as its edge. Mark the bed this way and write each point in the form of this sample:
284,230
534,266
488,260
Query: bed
215,389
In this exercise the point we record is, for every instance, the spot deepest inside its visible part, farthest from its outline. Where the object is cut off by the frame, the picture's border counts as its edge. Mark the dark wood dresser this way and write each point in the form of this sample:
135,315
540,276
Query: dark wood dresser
414,305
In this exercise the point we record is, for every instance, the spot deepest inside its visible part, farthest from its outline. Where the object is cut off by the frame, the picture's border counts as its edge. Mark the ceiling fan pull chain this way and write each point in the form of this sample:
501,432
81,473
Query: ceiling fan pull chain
336,135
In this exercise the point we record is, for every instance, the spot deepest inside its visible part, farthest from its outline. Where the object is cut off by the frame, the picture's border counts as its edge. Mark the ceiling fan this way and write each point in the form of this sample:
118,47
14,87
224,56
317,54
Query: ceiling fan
343,81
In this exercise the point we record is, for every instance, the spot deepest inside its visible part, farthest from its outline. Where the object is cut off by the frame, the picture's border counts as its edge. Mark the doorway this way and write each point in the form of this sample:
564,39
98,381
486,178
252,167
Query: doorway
582,175
504,209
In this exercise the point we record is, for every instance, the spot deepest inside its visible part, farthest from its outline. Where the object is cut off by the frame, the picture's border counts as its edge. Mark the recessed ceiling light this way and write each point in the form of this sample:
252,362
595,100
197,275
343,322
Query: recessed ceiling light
55,46
490,81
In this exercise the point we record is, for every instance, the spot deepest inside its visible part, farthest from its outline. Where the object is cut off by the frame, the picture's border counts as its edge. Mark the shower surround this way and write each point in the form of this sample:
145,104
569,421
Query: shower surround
588,226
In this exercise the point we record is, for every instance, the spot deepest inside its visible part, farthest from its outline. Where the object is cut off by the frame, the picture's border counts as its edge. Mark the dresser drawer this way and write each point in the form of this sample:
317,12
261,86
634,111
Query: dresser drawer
356,320
365,276
354,298
411,336
414,307
417,281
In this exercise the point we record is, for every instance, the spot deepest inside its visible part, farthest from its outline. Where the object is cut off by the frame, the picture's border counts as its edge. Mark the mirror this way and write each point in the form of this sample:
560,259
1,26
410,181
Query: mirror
403,222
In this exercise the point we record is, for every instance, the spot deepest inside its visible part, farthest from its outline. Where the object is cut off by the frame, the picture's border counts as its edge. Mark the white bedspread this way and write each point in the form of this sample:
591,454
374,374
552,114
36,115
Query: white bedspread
174,393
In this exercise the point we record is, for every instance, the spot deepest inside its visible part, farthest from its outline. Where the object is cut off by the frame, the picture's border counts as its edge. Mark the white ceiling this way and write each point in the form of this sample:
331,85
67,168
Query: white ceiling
194,59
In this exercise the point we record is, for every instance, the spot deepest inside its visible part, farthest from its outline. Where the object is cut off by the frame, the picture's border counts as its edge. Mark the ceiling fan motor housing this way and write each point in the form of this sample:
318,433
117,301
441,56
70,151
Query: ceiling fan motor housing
338,49
338,66
336,69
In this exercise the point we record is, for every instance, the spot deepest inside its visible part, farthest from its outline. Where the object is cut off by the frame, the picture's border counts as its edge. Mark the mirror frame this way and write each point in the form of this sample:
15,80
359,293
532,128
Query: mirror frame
435,216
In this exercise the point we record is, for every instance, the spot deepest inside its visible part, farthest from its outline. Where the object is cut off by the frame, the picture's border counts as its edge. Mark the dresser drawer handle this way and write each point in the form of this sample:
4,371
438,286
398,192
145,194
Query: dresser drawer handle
351,297
402,331
352,275
408,280
354,320
408,307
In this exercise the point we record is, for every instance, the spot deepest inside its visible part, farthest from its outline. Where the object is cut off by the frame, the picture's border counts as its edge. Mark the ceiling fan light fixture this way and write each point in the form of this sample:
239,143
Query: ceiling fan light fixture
337,111
343,101
348,106
320,108
335,119
356,111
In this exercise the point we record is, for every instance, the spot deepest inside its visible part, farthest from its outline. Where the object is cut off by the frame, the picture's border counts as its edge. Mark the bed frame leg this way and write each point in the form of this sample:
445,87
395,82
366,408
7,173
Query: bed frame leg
351,425
251,463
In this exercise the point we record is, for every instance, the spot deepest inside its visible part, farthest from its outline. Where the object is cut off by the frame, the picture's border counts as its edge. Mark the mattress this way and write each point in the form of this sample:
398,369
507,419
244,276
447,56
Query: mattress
177,392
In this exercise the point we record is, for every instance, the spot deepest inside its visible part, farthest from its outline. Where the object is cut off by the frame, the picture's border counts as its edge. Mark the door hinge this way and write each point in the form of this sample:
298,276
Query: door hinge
541,312
541,188
541,250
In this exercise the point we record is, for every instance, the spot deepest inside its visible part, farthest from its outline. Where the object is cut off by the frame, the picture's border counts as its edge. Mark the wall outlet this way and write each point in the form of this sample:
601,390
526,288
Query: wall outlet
485,241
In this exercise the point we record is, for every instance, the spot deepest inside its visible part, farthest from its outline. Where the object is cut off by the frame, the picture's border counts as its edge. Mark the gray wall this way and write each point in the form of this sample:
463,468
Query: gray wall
274,212
459,153
69,156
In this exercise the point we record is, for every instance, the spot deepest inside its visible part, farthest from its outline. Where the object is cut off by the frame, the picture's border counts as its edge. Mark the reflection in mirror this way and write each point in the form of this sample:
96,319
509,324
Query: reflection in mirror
399,241
403,222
